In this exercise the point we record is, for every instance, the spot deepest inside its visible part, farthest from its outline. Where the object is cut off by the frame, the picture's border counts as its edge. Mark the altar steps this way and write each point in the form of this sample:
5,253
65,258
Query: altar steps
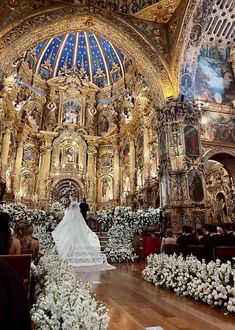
103,237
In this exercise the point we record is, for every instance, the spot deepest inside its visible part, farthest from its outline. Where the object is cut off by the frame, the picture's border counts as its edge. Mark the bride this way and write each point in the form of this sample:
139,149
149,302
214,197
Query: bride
74,241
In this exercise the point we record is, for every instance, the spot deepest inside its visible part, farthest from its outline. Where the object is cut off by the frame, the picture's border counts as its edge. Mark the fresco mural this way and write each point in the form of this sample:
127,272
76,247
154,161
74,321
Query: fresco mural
195,186
218,127
214,80
191,141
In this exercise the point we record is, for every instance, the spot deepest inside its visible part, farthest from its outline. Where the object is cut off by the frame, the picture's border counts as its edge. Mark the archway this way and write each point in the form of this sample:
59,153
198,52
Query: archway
64,189
227,158
219,178
67,19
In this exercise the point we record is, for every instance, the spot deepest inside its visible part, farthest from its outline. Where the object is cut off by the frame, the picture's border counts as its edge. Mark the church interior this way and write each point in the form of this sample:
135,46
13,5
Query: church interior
125,103
122,118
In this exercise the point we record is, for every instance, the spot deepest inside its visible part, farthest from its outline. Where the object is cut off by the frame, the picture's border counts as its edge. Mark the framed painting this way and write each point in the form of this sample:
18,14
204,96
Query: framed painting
195,186
191,139
198,220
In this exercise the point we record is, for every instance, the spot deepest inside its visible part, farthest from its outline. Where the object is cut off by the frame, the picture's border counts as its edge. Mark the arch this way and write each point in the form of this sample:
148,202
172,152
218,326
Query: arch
63,188
119,31
225,157
189,44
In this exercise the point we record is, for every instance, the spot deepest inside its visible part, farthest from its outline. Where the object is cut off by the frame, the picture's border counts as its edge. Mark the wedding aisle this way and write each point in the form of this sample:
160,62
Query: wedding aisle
135,304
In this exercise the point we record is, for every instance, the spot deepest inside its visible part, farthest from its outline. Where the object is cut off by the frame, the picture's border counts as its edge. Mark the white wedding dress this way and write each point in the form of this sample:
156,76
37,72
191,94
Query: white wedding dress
75,242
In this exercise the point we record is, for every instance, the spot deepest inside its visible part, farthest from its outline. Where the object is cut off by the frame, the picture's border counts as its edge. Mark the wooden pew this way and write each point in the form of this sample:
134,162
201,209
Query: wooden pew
225,253
171,248
26,251
21,265
197,250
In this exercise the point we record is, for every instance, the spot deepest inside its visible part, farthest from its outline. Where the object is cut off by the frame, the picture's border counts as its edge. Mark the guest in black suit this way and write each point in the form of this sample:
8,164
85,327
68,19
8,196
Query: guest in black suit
231,239
206,233
228,231
84,207
213,240
186,239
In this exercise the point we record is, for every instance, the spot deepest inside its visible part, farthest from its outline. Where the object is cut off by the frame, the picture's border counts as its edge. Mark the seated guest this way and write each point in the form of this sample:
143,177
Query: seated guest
8,245
220,230
186,239
206,233
231,240
228,230
211,241
24,232
199,235
14,309
169,239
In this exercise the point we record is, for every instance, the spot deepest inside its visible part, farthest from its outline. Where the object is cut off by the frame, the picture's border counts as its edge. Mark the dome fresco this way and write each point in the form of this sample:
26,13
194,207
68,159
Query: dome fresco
96,58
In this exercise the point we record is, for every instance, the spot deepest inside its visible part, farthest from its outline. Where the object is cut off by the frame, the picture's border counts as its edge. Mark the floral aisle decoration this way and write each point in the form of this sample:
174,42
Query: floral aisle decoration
43,222
212,283
63,301
122,224
119,246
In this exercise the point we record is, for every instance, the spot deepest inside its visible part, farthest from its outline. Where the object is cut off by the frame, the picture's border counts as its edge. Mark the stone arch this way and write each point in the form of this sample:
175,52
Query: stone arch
225,157
120,32
63,188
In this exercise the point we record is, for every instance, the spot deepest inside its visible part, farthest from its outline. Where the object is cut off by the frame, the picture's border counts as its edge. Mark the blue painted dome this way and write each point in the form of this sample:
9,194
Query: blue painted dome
94,57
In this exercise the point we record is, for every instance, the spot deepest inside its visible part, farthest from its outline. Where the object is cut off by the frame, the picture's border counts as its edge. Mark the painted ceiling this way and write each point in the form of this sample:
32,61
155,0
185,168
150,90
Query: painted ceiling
94,57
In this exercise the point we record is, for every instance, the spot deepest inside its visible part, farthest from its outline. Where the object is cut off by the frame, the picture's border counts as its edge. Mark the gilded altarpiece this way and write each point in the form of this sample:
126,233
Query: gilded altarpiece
181,169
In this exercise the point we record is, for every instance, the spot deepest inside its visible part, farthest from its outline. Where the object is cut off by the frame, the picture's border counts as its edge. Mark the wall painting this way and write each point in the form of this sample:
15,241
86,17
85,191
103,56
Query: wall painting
191,141
218,127
214,81
195,186
198,220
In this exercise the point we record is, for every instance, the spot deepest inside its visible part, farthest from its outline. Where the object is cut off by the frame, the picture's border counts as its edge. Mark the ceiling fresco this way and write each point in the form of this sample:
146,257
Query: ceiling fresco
89,53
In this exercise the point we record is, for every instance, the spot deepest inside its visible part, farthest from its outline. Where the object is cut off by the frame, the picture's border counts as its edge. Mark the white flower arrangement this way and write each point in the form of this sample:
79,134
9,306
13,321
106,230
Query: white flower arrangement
212,283
63,301
122,224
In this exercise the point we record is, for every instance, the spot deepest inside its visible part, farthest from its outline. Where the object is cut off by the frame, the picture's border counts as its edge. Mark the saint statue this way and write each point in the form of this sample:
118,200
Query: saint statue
105,189
69,154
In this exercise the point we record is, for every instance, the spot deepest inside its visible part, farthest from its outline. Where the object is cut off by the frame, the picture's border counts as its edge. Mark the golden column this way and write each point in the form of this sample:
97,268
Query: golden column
91,169
45,159
116,170
18,162
41,168
146,154
5,148
132,165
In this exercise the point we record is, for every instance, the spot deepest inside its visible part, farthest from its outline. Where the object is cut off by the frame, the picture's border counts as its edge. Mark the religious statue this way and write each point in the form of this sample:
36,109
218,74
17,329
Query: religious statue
139,177
26,185
8,180
106,188
126,184
68,118
69,154
51,116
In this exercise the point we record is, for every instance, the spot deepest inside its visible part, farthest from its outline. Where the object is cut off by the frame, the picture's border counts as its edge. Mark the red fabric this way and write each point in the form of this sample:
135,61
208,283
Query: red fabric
151,245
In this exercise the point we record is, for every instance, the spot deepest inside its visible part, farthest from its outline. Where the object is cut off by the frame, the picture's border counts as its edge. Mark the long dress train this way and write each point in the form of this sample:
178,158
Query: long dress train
75,242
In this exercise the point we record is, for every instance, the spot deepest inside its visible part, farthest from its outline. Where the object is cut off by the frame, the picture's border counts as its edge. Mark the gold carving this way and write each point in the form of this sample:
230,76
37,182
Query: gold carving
160,12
